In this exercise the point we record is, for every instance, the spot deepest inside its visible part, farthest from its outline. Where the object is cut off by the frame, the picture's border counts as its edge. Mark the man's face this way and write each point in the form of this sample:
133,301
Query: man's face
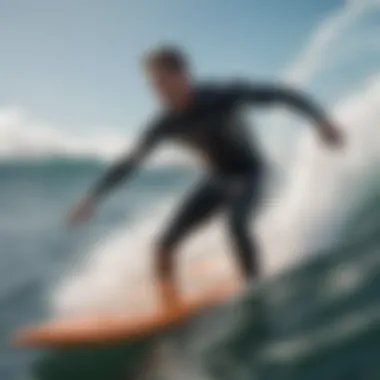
171,87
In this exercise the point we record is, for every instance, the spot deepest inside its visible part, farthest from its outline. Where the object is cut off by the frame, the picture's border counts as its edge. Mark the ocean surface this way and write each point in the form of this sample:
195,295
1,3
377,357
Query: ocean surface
316,314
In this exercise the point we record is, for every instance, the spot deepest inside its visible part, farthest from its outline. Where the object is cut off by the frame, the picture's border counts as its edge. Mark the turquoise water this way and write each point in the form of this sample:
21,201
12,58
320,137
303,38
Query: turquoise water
318,320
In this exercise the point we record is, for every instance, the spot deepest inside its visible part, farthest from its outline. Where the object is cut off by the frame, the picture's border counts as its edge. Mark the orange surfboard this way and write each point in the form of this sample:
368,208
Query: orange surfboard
139,321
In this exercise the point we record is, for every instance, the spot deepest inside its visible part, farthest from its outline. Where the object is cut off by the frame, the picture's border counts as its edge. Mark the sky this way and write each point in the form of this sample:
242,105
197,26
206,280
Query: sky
74,65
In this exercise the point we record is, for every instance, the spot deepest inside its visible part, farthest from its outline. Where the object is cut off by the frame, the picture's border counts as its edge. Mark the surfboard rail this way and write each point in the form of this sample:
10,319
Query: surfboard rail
101,329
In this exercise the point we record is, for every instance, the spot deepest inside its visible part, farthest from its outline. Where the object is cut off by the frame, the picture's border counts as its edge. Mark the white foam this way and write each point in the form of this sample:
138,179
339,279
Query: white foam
324,186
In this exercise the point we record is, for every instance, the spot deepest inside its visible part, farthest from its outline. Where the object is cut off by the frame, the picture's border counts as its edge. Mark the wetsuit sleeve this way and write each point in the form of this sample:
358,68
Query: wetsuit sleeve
125,166
264,94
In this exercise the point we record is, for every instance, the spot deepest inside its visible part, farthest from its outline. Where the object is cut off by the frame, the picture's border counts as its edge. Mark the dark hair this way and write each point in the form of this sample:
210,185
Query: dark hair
168,57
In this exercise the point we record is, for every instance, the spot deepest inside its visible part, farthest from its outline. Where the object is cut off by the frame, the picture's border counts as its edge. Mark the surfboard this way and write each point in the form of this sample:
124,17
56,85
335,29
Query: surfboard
144,318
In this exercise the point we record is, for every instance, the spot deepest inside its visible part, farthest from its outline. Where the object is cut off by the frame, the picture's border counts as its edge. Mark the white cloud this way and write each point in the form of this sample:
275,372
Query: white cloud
21,137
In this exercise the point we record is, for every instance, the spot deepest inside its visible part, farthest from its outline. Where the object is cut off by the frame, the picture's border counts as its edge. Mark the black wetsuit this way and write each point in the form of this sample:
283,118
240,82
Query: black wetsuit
212,126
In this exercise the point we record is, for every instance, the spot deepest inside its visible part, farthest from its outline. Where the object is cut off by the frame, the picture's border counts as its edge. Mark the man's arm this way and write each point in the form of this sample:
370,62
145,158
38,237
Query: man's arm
263,94
121,170
270,94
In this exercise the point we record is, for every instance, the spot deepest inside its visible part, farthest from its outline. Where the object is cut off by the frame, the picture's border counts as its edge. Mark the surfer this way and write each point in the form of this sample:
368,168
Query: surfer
205,117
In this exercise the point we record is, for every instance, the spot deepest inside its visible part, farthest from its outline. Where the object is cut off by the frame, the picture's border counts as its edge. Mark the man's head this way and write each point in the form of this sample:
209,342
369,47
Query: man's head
168,72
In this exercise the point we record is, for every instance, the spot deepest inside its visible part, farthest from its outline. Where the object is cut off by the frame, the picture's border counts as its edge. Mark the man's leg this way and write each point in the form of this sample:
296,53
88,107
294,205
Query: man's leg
201,204
243,203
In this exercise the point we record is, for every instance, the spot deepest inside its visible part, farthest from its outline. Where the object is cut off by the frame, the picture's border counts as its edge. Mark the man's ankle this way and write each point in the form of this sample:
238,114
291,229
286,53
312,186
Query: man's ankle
168,292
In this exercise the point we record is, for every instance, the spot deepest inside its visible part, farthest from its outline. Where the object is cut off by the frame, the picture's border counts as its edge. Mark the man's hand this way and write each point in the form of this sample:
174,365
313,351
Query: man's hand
81,212
331,135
